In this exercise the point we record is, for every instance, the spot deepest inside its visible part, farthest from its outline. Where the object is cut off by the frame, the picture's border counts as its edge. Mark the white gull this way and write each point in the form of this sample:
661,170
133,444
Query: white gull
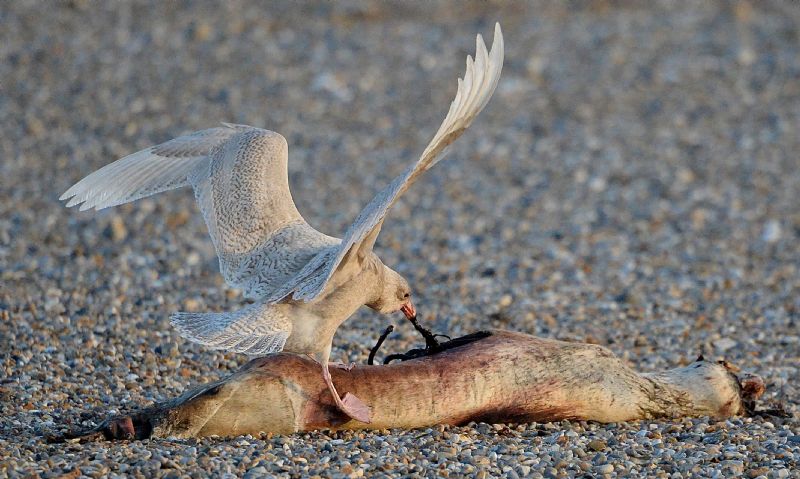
304,283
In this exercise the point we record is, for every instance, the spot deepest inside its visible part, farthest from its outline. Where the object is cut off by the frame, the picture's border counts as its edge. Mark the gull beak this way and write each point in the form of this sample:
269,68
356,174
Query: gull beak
409,310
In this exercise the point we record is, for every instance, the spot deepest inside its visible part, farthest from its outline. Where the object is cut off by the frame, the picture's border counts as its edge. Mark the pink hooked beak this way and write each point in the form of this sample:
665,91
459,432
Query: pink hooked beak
409,310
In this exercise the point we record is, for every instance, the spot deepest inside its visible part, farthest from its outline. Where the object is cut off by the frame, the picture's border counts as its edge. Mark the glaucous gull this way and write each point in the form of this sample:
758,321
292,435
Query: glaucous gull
304,283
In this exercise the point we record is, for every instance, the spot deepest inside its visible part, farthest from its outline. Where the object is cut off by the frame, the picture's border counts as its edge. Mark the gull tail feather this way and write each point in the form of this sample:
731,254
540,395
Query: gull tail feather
256,330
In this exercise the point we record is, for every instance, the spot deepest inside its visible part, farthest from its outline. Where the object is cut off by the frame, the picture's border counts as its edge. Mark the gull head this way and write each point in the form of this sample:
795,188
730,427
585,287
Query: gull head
395,295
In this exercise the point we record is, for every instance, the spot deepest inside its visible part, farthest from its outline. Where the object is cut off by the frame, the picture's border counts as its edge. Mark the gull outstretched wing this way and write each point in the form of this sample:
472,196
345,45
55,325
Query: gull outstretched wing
159,168
239,175
261,239
474,92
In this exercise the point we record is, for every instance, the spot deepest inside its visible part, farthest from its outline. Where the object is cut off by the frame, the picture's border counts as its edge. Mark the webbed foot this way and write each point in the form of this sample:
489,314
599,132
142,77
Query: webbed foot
350,404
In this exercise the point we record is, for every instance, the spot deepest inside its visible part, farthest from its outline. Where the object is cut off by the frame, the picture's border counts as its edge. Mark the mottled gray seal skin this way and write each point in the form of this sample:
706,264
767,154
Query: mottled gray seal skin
500,377
305,283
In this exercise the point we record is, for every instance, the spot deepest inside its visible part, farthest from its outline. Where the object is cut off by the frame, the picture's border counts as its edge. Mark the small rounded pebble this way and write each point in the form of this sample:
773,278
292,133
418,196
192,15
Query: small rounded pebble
605,469
597,445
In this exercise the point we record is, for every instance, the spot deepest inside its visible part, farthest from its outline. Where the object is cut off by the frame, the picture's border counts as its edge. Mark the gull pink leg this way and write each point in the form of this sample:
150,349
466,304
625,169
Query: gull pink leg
349,404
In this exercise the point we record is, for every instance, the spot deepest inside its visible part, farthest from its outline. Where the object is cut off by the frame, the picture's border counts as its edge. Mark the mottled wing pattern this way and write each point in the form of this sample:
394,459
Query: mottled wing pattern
153,170
239,175
474,92
260,237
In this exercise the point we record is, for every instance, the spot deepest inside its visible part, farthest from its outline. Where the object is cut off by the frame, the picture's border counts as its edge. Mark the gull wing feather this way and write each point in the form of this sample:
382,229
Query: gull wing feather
261,239
472,95
153,170
239,175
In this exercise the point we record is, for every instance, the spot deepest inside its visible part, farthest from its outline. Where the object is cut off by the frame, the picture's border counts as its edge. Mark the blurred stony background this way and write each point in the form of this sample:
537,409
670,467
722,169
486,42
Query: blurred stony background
634,182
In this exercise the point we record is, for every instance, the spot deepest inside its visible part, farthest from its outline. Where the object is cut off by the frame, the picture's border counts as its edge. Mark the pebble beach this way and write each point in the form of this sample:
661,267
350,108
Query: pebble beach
634,183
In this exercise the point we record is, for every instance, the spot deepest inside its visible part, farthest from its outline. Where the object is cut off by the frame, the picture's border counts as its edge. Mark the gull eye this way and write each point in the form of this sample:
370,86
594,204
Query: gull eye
407,295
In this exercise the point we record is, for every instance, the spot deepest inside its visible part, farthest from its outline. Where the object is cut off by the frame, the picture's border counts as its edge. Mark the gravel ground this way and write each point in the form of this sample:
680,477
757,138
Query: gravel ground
634,182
